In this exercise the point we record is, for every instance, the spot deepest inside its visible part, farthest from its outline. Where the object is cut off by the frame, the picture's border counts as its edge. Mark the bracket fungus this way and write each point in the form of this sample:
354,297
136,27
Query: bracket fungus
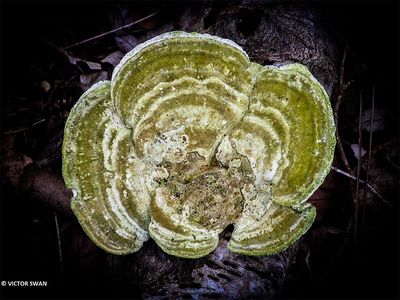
188,137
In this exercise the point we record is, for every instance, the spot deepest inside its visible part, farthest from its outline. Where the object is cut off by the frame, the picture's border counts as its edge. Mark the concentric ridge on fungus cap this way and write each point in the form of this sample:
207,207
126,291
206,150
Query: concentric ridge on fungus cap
190,136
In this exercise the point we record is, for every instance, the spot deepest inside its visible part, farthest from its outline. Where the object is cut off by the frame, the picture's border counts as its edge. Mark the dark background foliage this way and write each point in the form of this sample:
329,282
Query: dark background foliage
29,57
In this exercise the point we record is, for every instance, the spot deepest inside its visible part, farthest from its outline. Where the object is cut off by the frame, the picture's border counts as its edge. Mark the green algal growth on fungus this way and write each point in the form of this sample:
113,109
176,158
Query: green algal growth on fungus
188,137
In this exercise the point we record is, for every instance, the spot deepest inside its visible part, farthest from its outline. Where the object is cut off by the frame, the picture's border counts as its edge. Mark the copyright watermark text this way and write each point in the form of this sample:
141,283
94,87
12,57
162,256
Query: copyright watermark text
24,283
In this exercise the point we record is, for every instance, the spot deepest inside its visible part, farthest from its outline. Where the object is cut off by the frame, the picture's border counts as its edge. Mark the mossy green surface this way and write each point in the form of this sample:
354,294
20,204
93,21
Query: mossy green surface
86,172
190,136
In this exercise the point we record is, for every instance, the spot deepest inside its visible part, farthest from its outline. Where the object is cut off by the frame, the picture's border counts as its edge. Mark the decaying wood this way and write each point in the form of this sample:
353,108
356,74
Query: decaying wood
278,34
221,274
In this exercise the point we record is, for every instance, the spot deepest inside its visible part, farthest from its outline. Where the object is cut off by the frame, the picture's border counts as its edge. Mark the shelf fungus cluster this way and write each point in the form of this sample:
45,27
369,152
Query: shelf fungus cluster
188,137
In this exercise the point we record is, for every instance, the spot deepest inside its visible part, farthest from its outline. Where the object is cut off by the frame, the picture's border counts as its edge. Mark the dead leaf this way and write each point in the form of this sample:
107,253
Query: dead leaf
93,65
87,80
113,58
14,168
378,123
126,42
356,150
74,60
169,26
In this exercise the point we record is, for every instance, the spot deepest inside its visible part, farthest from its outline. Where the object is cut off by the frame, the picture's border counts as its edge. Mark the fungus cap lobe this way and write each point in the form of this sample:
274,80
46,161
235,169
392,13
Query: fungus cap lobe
112,222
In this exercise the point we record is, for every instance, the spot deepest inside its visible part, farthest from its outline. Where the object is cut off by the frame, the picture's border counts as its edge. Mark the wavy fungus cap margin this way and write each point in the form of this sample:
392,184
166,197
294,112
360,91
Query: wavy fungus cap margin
188,137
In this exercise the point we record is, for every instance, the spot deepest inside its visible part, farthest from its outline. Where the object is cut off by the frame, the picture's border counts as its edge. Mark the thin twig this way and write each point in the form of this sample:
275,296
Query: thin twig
23,128
357,196
341,78
363,182
60,255
111,31
15,131
371,121
391,161
38,122
341,90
